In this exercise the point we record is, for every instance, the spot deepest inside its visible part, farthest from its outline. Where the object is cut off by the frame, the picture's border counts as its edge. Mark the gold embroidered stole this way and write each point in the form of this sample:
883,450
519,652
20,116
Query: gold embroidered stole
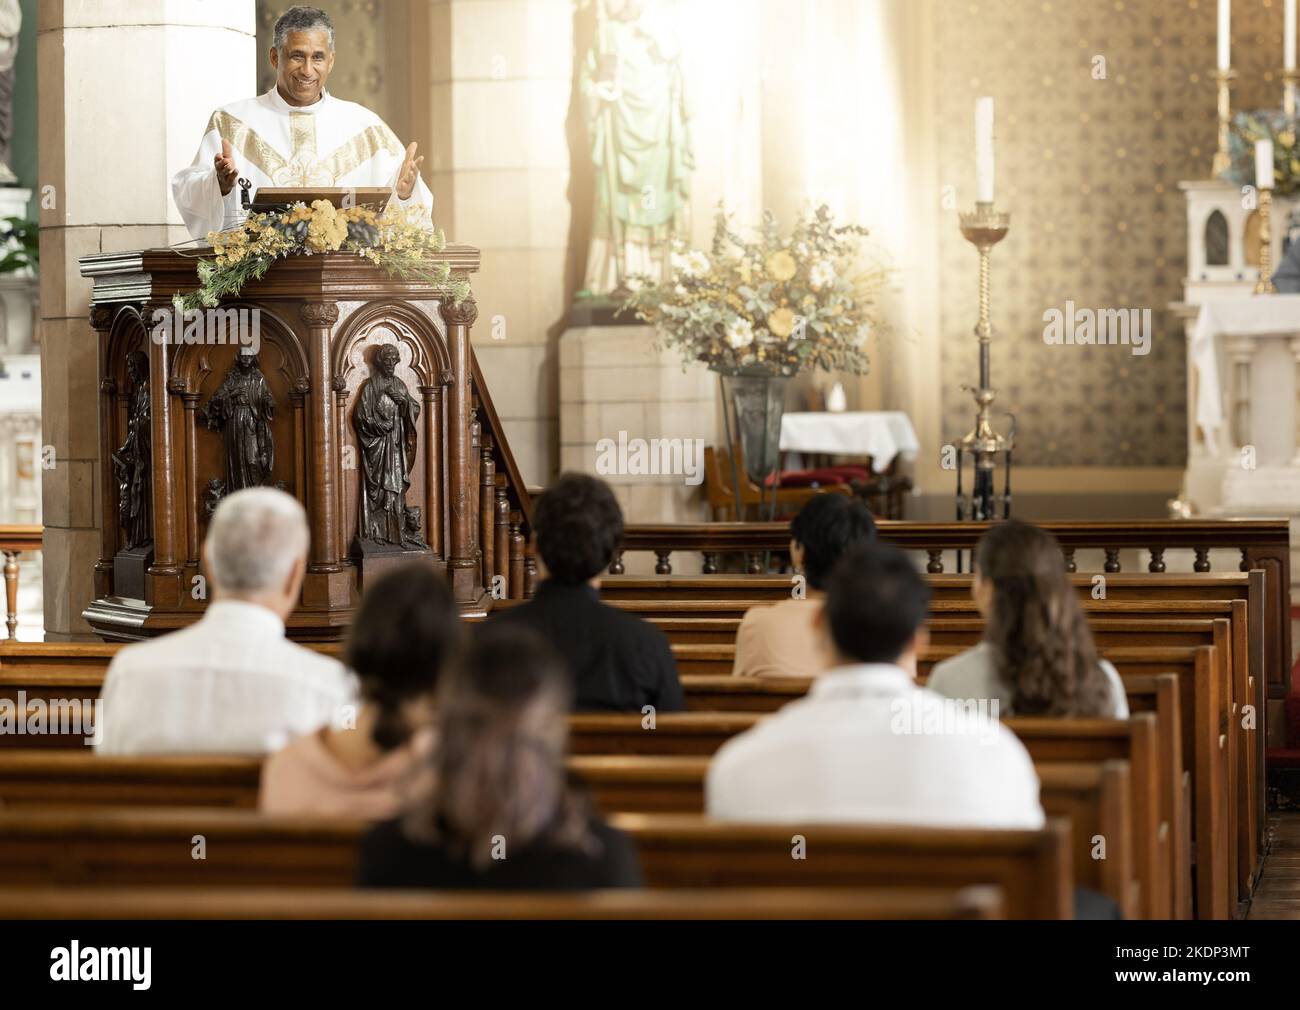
303,167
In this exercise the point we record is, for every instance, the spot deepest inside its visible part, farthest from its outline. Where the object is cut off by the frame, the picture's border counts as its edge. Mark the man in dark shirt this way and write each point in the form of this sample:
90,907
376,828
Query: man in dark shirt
619,662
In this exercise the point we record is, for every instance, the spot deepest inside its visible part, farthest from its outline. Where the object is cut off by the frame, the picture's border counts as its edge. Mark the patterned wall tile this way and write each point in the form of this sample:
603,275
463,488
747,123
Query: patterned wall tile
1089,170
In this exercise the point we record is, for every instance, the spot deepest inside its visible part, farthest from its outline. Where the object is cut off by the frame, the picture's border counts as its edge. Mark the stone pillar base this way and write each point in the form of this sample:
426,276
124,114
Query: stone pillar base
632,414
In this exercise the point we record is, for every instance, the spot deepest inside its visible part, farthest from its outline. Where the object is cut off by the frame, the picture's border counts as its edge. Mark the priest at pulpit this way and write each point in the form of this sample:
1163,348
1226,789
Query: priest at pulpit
295,135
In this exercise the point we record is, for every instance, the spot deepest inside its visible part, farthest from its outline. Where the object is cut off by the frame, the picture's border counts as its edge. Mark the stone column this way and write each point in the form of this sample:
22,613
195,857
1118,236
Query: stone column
122,106
496,127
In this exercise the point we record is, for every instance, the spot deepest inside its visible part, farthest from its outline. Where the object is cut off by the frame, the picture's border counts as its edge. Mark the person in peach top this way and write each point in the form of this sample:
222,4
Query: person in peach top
404,633
783,640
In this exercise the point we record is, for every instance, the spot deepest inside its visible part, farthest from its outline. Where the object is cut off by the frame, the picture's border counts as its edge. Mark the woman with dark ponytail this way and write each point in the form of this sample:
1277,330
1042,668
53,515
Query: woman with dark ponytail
1037,656
496,809
402,636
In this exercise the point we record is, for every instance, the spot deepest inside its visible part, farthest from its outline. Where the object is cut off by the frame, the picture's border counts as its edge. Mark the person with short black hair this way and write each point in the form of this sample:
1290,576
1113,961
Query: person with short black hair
498,811
619,662
867,745
783,640
404,633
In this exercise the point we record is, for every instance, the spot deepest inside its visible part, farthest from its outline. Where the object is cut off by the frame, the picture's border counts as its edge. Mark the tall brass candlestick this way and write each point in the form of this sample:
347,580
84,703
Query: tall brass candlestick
1265,285
1288,93
1224,79
984,228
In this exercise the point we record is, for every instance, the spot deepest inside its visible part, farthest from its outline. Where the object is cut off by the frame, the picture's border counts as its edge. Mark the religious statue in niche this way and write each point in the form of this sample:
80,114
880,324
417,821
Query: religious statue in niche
131,463
242,409
11,21
639,141
385,420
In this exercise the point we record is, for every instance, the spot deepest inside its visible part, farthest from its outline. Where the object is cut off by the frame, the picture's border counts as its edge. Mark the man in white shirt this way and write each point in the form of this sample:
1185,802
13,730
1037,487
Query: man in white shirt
230,683
867,745
295,135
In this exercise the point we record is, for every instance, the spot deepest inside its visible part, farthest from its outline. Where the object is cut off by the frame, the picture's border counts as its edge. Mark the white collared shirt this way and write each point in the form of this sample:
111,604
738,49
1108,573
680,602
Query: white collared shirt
329,143
868,746
230,683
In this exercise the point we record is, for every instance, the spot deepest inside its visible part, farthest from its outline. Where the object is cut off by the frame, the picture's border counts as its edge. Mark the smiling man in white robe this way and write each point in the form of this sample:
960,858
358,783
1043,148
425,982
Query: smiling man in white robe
296,134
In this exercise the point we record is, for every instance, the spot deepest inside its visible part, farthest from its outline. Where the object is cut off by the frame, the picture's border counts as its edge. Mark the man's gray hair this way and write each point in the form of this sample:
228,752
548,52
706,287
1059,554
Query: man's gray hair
302,19
255,537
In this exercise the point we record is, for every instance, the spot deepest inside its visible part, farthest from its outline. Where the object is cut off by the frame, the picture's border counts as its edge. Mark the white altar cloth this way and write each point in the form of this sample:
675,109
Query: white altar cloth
1253,316
881,434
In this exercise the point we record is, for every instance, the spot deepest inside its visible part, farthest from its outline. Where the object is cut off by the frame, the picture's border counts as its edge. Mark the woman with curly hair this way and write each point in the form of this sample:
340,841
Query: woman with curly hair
1037,656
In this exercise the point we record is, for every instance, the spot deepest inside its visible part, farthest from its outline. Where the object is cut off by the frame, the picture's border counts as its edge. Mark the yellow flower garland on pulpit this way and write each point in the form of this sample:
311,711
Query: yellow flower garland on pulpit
398,240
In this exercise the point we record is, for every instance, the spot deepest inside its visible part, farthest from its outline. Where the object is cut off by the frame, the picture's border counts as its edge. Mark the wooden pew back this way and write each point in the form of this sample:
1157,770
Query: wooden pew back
150,847
301,904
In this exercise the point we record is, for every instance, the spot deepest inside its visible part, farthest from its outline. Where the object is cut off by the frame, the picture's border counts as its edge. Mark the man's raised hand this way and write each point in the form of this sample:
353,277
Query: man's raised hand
409,174
227,172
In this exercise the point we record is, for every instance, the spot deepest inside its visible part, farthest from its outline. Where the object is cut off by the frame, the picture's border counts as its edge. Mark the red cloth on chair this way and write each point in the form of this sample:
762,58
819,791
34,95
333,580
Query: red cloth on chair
820,478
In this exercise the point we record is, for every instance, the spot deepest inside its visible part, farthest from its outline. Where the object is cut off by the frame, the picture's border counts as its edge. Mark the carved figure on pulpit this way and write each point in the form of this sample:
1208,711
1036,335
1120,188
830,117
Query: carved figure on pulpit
242,409
131,463
385,420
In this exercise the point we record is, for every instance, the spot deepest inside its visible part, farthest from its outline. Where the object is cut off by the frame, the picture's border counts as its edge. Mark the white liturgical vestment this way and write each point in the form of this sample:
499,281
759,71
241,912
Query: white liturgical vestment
275,144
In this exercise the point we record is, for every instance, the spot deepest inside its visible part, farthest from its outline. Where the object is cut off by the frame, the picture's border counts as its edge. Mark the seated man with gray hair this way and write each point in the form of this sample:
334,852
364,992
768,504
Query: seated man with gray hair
231,683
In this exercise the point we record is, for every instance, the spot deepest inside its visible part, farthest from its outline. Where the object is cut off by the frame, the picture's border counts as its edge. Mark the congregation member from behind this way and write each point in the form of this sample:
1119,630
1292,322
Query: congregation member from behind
231,682
1037,656
619,662
402,636
783,640
498,812
867,745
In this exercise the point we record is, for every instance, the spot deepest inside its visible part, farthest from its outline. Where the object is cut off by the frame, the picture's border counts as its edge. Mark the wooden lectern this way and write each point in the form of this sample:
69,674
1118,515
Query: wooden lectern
184,423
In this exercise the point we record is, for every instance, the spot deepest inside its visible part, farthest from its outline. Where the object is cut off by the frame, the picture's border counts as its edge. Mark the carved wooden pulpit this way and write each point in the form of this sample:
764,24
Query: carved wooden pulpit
340,343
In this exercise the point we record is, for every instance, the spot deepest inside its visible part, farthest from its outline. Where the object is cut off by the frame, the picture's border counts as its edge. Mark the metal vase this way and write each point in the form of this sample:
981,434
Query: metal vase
752,405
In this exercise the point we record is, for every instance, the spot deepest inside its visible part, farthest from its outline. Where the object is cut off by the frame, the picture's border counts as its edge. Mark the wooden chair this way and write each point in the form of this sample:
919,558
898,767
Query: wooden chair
722,500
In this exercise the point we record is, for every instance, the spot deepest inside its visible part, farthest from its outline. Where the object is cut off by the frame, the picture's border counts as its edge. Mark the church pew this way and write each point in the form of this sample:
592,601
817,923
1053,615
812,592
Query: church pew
682,735
158,847
673,733
1158,695
303,904
1229,640
34,779
1144,853
1095,797
1228,667
1204,746
78,777
1096,800
1267,628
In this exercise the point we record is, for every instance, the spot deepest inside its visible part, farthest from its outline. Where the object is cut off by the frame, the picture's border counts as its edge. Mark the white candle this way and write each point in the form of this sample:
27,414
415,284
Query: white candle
1263,164
1288,37
984,150
1225,33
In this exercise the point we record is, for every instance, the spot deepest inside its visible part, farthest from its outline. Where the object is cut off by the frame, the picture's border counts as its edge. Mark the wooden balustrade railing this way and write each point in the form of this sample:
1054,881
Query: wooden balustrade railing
14,540
1262,544
503,507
